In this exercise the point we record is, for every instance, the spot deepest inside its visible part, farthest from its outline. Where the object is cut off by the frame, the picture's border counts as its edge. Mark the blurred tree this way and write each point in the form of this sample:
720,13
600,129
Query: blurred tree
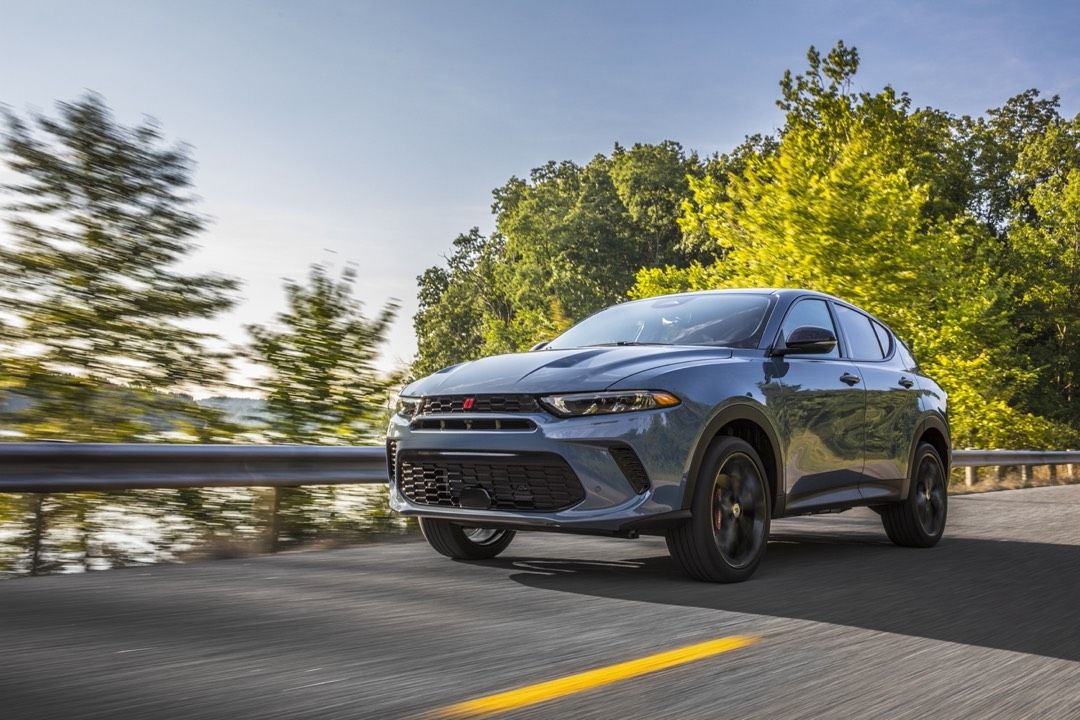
323,386
98,342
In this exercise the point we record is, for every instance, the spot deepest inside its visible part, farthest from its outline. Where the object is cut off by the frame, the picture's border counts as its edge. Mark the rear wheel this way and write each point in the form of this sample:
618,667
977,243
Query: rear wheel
464,543
725,537
919,520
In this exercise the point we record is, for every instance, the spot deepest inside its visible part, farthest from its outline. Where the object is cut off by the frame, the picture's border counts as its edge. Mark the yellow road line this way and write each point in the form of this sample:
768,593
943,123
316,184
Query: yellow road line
580,682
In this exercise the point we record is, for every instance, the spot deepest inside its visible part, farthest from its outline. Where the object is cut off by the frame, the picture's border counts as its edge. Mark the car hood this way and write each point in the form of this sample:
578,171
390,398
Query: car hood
543,371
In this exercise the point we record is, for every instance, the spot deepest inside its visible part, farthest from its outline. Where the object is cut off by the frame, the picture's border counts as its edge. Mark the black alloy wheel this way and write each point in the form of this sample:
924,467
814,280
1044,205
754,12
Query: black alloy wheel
919,521
728,530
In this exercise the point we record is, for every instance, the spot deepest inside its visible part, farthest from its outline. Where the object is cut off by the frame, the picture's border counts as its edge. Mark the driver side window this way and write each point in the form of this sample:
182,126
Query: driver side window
810,313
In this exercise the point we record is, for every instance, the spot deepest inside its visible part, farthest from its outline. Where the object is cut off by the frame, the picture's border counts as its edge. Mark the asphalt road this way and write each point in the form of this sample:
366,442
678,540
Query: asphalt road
986,625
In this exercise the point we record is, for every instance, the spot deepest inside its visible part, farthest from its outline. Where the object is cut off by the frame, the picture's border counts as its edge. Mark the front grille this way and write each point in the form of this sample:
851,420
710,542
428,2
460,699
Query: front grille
541,482
631,467
480,404
518,424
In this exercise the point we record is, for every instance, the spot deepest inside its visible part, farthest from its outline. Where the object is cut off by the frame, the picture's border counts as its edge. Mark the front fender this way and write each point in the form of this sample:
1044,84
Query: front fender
734,410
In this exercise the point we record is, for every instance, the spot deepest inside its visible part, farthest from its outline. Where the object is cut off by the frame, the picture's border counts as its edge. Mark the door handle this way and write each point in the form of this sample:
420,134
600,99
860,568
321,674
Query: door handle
906,383
849,378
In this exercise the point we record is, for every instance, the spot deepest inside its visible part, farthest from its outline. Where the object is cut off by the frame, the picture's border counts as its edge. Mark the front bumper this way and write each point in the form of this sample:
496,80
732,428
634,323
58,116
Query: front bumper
661,439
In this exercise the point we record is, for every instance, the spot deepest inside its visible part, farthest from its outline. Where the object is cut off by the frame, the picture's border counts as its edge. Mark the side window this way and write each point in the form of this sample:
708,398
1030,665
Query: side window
906,358
860,335
810,313
884,338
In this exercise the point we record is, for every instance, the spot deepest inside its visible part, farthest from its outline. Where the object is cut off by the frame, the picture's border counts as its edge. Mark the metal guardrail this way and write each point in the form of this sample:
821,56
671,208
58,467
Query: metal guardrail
46,467
65,467
989,458
971,459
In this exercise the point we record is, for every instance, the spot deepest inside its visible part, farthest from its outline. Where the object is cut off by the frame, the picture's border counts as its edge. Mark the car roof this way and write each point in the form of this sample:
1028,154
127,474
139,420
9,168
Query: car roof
782,293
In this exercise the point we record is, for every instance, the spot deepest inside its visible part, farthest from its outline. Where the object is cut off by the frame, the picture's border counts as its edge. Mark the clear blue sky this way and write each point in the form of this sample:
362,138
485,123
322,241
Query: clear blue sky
374,132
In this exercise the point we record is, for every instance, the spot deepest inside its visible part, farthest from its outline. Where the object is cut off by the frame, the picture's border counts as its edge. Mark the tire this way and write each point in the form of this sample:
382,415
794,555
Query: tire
919,520
728,530
463,543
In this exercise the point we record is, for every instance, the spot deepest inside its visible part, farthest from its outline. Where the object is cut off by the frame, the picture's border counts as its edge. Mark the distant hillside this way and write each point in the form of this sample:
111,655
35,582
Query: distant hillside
246,412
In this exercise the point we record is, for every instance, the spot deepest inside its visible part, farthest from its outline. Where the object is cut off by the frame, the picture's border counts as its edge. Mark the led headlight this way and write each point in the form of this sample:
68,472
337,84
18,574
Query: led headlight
407,406
605,403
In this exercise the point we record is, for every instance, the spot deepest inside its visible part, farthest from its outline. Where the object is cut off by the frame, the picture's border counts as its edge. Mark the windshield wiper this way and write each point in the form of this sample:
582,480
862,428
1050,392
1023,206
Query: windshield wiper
625,343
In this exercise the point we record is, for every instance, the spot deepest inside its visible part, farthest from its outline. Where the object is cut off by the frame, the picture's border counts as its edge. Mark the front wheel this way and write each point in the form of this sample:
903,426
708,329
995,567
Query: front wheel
919,520
464,543
725,537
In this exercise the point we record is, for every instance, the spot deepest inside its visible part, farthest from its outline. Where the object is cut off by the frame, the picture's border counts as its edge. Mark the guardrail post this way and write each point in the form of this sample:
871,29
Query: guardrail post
970,476
1052,473
37,532
275,521
1025,476
999,473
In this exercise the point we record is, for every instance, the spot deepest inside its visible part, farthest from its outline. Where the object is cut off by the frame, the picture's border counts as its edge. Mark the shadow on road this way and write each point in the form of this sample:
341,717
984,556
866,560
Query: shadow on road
1007,595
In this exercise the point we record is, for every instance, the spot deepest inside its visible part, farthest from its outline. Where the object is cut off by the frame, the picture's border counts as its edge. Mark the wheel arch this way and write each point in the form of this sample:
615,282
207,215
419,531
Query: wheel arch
750,423
934,430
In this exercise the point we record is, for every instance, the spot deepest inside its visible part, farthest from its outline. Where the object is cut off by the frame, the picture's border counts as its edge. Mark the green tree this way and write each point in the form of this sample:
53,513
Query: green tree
852,203
455,303
567,243
322,386
98,342
1044,243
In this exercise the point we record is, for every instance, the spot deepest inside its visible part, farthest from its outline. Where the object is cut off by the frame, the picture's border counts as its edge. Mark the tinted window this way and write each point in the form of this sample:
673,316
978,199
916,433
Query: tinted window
725,319
810,313
884,338
860,335
906,358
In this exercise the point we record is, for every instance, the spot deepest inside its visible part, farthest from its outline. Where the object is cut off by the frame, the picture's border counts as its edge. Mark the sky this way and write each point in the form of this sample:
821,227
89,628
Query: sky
374,133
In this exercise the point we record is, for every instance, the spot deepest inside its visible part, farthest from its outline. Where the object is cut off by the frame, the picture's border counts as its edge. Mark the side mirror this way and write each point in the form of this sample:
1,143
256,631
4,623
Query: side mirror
806,341
539,346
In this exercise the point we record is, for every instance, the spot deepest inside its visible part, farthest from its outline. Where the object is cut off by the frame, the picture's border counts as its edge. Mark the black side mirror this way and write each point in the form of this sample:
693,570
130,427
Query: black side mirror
539,346
806,341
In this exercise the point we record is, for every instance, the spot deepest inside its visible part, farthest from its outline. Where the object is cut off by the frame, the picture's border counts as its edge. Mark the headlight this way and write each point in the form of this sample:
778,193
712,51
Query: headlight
605,403
407,406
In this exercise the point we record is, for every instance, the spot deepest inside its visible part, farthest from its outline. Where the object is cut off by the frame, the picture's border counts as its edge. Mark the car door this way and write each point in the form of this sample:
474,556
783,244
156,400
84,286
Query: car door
820,408
892,402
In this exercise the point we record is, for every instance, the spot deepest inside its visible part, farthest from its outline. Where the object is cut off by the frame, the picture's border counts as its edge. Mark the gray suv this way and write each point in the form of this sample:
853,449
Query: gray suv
699,416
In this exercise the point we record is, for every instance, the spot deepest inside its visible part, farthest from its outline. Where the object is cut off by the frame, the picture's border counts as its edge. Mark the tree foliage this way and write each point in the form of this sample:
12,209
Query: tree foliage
567,242
866,199
96,317
322,388
322,385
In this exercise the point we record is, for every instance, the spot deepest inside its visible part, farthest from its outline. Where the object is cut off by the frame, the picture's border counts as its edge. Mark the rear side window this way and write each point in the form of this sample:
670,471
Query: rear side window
906,358
861,338
884,338
810,313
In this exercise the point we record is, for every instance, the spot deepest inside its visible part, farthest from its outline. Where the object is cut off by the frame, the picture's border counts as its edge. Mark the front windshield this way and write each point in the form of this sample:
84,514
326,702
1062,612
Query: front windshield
724,319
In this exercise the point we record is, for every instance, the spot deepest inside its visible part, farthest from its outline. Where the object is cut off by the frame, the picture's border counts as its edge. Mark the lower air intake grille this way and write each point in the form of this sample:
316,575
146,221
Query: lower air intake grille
541,482
391,457
631,467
